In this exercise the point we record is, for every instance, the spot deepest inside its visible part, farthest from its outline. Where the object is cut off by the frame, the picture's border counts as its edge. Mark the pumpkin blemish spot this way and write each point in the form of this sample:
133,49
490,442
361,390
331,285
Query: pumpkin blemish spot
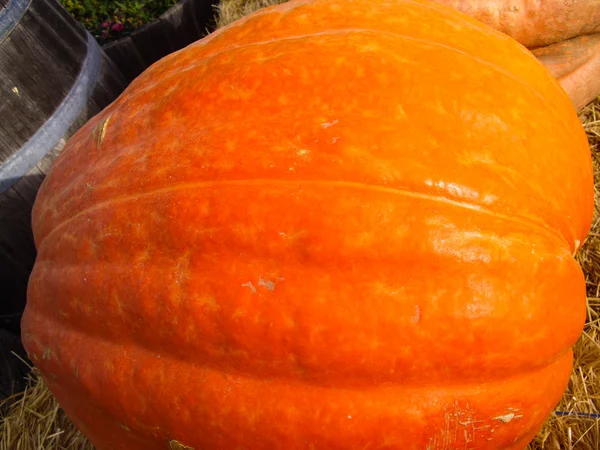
417,316
266,283
175,445
250,285
505,418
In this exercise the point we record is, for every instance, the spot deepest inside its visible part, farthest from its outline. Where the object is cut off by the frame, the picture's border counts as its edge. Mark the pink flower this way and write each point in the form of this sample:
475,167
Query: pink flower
105,24
118,27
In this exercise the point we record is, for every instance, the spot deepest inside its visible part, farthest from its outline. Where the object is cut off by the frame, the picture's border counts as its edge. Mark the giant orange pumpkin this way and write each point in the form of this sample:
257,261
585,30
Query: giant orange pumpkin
332,225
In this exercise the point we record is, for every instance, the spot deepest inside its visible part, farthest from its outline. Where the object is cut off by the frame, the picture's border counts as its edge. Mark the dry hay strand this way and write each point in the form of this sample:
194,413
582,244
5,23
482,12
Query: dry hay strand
229,11
33,420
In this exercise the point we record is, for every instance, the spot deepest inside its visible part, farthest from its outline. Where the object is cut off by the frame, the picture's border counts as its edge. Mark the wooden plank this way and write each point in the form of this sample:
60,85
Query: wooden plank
182,20
28,186
63,41
32,82
167,29
7,144
17,250
20,115
58,19
15,222
46,163
111,79
152,42
205,15
125,56
13,370
70,25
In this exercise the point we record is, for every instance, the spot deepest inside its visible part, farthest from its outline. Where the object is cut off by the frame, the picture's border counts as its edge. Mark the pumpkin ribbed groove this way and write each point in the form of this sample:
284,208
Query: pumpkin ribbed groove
332,414
538,227
77,333
258,373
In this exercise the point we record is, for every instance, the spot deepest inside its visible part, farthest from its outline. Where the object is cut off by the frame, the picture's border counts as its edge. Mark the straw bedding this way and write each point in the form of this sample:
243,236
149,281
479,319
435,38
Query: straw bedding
33,420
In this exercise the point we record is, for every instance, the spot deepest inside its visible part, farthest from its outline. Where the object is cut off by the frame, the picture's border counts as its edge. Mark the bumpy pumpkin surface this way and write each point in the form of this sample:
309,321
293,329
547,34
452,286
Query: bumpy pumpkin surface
331,225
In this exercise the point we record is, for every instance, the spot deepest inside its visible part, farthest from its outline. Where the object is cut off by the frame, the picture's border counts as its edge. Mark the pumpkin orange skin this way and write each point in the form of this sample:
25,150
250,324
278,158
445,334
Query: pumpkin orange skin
331,225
